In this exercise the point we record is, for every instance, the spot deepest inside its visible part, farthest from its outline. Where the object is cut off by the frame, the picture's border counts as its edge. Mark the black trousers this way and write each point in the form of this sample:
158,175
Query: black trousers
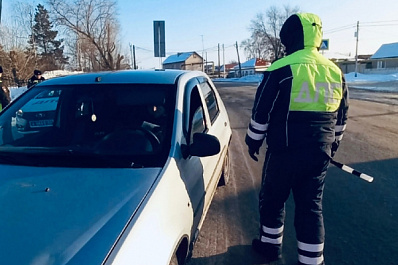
301,172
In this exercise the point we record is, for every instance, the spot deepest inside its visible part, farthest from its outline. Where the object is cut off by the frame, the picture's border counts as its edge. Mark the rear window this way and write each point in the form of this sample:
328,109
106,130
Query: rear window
91,125
210,99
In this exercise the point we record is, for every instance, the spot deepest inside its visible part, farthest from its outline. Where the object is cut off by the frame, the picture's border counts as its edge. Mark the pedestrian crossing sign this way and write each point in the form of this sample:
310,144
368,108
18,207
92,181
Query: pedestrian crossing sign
325,44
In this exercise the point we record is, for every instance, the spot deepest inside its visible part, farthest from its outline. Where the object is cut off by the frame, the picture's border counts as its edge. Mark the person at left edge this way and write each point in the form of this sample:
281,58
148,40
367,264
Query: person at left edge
4,93
36,78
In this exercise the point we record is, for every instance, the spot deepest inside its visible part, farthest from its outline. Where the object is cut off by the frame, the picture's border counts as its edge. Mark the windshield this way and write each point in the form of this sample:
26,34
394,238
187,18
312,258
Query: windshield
89,126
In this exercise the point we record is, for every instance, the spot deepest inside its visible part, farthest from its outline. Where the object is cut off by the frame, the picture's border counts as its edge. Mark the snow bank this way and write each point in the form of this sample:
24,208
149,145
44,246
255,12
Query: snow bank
244,79
370,78
350,78
17,91
55,73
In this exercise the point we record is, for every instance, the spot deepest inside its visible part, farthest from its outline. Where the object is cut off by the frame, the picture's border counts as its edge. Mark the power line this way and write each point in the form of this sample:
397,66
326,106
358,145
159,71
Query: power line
209,49
382,25
364,24
375,22
340,28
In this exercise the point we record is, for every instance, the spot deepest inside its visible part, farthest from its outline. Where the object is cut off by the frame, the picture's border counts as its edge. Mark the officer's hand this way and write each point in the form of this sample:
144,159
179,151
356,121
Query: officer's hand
252,153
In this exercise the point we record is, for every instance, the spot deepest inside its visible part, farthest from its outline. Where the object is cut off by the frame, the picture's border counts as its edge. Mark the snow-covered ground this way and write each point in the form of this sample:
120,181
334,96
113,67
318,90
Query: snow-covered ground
350,78
361,81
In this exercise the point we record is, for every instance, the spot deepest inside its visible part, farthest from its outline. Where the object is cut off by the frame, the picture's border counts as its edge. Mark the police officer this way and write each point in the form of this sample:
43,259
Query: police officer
35,79
4,93
300,108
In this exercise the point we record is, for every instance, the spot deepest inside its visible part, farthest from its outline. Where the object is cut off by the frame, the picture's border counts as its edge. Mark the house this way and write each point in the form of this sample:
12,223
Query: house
251,67
227,70
348,65
184,61
228,67
385,59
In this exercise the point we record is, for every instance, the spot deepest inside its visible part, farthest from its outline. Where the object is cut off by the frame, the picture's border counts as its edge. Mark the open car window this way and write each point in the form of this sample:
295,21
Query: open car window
90,123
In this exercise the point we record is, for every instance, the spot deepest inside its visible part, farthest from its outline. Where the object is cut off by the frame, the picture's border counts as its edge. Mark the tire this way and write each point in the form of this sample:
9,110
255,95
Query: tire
174,260
226,170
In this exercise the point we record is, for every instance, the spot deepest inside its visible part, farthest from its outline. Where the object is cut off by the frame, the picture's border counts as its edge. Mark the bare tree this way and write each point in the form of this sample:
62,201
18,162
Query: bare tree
257,47
18,62
264,42
17,27
96,28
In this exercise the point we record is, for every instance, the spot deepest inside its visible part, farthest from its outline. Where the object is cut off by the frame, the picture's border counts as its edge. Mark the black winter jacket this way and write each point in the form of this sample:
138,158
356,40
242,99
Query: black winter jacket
302,100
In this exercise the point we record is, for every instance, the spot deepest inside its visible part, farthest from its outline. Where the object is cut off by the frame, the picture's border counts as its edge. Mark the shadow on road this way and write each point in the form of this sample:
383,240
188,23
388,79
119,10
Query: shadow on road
234,256
360,220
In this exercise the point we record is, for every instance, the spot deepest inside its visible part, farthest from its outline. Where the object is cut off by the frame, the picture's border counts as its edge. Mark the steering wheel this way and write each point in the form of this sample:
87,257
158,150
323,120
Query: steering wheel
136,141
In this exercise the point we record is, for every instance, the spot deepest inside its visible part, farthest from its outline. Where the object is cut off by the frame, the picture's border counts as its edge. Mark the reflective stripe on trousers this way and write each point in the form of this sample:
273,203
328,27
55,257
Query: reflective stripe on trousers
310,254
302,172
272,235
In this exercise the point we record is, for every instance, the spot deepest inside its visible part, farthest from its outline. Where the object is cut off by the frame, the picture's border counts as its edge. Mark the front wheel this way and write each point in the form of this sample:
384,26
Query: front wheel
174,260
226,170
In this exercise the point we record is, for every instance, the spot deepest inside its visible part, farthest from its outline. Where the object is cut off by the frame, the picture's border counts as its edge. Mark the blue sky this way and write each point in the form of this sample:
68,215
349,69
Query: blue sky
201,25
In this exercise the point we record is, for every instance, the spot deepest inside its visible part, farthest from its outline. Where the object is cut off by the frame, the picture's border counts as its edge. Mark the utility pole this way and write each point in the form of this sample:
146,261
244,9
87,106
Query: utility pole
206,68
134,60
223,58
131,56
1,9
219,61
203,51
356,50
240,68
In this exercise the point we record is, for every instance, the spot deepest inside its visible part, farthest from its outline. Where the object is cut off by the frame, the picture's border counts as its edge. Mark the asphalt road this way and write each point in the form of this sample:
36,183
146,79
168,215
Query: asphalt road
361,218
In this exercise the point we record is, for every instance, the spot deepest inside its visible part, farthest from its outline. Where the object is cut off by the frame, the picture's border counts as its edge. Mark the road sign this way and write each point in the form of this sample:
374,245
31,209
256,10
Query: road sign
159,38
325,45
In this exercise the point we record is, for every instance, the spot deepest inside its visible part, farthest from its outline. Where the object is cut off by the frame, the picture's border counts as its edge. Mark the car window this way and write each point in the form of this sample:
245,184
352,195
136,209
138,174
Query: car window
210,99
132,122
197,122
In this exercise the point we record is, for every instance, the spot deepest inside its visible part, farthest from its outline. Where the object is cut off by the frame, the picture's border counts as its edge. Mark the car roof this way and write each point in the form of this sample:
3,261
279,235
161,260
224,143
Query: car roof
119,77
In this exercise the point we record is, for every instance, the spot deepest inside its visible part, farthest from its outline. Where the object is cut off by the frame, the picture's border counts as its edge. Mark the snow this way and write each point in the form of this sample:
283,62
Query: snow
16,91
350,78
244,79
389,50
370,78
56,73
177,58
359,81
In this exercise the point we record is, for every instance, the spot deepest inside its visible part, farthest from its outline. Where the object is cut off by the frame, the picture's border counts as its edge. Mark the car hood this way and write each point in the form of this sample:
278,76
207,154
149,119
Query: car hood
66,215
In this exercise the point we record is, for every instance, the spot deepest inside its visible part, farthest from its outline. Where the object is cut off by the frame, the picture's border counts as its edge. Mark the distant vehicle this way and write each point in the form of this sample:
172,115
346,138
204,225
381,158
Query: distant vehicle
39,112
110,168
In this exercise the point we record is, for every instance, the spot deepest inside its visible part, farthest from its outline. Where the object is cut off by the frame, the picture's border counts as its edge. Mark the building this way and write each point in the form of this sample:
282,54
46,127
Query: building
184,61
348,65
385,59
227,70
251,67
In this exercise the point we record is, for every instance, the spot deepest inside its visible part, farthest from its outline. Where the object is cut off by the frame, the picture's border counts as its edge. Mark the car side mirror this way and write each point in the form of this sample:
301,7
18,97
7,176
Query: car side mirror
202,145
